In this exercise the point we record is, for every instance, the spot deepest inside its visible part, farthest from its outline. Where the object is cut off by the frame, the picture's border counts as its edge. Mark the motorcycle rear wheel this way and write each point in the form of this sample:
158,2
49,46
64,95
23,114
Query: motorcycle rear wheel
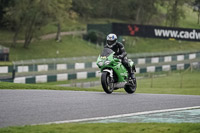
106,83
130,88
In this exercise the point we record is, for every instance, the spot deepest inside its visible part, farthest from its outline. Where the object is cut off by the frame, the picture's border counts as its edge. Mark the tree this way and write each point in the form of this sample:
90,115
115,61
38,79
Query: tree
3,5
197,9
100,8
82,7
60,13
143,10
175,12
14,15
31,15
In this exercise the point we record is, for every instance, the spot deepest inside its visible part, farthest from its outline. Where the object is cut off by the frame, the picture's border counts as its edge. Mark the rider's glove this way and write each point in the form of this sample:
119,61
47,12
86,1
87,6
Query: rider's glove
115,56
119,57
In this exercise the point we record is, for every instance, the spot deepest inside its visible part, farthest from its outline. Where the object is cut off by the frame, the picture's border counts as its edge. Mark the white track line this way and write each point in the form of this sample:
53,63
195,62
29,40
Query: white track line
119,116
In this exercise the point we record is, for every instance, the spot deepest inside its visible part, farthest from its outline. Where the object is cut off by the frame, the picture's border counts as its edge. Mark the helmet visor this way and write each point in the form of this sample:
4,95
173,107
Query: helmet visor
111,42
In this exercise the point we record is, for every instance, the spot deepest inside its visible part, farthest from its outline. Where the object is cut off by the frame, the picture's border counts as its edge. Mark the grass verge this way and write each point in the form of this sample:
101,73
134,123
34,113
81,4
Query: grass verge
187,83
107,128
6,85
180,82
72,81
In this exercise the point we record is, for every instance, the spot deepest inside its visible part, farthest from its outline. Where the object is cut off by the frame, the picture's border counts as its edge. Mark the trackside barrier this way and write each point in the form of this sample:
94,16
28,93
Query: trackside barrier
85,75
58,65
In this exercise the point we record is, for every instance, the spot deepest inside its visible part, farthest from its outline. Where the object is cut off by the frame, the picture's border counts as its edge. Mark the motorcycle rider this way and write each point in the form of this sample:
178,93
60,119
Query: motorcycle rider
118,48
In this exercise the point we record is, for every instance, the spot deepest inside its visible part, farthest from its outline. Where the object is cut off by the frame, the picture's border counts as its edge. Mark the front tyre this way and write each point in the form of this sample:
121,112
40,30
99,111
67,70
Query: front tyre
106,82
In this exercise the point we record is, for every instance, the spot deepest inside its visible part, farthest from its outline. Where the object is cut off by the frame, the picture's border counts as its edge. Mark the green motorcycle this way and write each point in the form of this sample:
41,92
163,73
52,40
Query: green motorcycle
114,74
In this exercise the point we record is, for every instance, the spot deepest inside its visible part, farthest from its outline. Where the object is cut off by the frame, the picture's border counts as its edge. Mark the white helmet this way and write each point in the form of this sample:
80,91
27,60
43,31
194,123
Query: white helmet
111,40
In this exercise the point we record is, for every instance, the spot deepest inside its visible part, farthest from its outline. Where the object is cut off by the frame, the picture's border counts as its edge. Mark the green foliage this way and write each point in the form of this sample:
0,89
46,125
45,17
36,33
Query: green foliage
30,16
190,21
197,9
139,11
83,8
3,5
95,37
175,11
145,10
135,10
59,12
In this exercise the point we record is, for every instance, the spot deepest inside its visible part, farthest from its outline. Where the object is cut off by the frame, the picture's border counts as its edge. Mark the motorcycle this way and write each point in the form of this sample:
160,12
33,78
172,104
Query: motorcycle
114,74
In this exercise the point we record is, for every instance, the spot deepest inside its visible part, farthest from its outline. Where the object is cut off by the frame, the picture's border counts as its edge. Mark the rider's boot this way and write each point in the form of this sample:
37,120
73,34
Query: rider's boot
130,73
133,77
133,69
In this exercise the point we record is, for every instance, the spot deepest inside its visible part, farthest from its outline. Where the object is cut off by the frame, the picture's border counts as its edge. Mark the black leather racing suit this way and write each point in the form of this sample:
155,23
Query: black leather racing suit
120,52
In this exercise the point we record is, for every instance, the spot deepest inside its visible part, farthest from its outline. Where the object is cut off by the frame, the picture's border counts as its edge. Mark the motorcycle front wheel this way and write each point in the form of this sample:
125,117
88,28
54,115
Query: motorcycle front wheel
106,82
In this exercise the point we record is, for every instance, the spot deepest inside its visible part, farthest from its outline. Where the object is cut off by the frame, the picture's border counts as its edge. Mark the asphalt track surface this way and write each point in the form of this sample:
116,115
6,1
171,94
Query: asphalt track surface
25,107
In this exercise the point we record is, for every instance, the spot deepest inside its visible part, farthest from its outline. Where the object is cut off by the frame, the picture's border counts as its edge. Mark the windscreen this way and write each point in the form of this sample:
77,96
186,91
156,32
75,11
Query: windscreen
106,52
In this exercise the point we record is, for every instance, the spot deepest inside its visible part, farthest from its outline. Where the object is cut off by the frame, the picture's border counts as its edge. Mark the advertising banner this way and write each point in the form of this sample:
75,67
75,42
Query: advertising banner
156,32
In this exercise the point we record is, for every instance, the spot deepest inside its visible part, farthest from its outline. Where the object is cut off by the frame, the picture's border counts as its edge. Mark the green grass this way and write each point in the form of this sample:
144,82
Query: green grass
107,128
5,63
150,45
5,35
175,83
14,86
169,84
76,47
187,83
69,47
71,81
69,25
173,80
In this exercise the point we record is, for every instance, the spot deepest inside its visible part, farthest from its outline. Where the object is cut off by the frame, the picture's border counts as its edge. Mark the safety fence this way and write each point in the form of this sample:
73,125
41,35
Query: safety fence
45,65
92,74
36,71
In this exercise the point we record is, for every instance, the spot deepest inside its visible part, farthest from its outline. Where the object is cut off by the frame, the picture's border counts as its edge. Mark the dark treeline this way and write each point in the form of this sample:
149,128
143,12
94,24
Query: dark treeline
138,11
30,15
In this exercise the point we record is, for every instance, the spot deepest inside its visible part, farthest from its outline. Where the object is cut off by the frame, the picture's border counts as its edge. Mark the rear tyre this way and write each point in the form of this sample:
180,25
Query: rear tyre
106,82
130,88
